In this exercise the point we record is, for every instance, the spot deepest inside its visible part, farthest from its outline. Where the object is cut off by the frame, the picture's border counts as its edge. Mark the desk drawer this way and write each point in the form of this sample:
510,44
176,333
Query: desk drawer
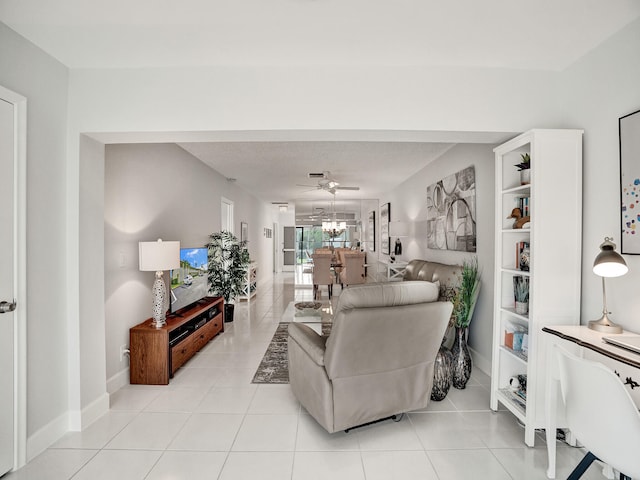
629,375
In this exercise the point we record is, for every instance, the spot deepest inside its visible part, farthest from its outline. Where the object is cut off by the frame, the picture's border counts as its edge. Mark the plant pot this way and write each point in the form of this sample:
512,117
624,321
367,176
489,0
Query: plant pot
442,374
522,308
525,176
461,359
228,312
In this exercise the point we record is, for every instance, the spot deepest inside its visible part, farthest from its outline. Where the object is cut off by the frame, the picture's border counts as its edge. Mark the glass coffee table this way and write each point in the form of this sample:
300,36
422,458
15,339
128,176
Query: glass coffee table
313,317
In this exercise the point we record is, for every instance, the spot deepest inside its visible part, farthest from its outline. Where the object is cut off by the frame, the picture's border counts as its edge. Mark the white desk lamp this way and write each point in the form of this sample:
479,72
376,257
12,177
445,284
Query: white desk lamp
159,256
608,263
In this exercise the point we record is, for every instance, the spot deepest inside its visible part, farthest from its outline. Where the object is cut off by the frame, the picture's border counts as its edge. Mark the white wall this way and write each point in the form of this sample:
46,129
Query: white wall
91,397
28,71
161,191
598,90
409,204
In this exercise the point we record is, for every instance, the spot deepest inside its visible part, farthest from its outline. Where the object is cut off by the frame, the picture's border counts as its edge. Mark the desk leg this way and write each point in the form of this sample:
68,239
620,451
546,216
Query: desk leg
551,405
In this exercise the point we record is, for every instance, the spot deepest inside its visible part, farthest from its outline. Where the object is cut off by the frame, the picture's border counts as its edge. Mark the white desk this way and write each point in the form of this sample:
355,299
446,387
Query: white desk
395,270
586,343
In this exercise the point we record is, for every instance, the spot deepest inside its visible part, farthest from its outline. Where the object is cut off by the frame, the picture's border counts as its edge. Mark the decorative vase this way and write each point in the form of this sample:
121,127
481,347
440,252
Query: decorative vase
442,374
228,312
522,308
525,176
461,359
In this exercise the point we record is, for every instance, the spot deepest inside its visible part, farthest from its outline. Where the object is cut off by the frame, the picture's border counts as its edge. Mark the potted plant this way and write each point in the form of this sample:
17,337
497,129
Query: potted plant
464,303
521,294
524,167
228,262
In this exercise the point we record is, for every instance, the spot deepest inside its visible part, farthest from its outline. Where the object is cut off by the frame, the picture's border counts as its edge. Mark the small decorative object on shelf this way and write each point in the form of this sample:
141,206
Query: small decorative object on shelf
524,167
519,220
521,294
523,256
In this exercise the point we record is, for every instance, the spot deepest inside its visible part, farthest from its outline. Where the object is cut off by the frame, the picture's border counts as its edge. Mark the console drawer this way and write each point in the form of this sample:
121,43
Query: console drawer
186,349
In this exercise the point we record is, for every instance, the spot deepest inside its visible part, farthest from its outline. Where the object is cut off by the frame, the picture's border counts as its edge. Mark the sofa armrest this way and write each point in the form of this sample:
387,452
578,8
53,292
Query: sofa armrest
309,341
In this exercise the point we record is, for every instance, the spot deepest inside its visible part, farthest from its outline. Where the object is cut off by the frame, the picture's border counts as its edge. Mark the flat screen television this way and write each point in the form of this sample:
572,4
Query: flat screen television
189,283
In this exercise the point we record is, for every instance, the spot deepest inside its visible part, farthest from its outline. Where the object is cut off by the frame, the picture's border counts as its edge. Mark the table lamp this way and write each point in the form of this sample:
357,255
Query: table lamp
398,230
608,263
157,257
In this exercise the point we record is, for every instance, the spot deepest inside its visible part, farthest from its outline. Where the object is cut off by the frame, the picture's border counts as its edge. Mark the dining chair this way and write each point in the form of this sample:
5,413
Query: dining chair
322,273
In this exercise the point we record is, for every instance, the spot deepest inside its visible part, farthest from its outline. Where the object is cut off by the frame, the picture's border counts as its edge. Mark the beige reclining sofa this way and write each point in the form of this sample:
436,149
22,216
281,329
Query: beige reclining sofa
445,276
378,359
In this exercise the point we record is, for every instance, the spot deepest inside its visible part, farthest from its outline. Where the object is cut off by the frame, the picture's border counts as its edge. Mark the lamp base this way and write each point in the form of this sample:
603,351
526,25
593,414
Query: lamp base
604,325
159,292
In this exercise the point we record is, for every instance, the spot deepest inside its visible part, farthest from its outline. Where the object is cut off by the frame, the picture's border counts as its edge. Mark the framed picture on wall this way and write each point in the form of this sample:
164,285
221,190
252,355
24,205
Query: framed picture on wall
629,131
371,231
244,232
385,218
451,212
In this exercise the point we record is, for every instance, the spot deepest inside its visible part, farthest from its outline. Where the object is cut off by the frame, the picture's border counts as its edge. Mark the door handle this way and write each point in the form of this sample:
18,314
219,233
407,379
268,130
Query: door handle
6,307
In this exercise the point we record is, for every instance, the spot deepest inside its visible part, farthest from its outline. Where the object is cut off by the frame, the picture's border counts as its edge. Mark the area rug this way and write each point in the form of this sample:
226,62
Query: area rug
274,367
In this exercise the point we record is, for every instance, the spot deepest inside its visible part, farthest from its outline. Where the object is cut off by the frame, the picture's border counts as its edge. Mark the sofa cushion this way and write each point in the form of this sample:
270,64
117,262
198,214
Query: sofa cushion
448,275
387,295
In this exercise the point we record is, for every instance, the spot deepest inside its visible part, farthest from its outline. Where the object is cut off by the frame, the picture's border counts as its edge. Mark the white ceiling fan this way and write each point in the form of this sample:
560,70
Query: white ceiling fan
326,183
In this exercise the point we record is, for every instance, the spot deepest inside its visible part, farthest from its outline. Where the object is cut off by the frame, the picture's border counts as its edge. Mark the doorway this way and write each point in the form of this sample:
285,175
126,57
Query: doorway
288,249
226,215
12,281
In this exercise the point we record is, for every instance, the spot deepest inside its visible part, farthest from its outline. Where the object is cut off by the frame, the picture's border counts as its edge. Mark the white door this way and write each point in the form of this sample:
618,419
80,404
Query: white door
276,253
7,407
289,249
226,215
13,284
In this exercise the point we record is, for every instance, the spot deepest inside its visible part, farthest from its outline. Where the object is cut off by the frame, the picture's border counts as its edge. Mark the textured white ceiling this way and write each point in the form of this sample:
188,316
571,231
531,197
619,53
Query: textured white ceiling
275,171
541,34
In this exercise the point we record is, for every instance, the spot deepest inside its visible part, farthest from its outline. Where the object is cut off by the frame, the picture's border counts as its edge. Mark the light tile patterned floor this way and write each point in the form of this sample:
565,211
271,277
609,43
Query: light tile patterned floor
212,423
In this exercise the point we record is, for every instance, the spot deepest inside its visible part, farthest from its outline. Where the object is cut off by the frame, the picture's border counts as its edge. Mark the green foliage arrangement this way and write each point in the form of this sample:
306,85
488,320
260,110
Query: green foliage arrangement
525,164
464,302
228,263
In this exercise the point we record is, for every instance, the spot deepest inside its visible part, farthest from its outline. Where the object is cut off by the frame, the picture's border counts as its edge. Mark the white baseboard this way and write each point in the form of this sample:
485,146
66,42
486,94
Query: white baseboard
118,381
47,436
70,421
94,410
482,363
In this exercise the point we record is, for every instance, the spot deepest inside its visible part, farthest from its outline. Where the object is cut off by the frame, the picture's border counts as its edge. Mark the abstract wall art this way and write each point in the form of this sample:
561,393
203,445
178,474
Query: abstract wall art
629,128
451,212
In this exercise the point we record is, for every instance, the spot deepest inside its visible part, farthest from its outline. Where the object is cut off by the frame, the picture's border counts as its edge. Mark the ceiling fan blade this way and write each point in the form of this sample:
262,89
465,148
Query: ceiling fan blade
308,186
347,188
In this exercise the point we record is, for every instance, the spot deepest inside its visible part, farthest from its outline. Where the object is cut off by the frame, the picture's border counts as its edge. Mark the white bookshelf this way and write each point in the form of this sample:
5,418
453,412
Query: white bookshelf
554,238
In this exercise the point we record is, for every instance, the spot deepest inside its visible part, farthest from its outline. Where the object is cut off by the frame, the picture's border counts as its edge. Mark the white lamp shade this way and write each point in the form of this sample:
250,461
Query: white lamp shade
610,269
398,229
609,263
158,256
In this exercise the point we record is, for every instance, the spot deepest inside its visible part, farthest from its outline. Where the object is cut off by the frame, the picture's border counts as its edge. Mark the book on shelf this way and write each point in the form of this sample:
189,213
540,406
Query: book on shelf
523,204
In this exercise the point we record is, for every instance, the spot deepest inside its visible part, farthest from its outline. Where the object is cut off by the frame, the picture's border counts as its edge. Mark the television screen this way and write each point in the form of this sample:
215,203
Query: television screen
189,282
